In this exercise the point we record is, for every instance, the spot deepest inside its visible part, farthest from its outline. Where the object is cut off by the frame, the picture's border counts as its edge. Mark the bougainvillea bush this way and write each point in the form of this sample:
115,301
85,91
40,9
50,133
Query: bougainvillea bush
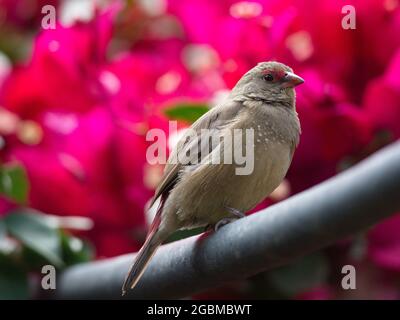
77,100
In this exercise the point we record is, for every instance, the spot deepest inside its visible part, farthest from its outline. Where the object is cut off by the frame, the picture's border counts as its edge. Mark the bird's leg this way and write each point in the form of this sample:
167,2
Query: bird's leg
237,214
223,222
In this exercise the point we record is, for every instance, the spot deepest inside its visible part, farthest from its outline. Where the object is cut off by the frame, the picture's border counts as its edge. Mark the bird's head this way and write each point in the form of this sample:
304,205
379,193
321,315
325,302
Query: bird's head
269,81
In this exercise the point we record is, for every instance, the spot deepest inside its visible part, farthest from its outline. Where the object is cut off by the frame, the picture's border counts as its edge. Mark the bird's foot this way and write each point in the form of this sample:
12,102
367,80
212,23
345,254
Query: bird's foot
237,214
223,222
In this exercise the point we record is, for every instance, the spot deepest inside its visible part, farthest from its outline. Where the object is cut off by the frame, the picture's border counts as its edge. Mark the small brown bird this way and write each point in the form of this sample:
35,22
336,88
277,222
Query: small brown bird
201,193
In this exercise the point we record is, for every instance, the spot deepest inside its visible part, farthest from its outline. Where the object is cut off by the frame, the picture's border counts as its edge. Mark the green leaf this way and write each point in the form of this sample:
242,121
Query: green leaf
186,111
182,234
7,245
14,183
75,250
13,282
36,234
2,230
301,275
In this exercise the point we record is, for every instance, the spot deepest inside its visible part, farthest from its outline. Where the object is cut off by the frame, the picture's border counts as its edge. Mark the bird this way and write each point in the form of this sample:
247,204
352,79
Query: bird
200,193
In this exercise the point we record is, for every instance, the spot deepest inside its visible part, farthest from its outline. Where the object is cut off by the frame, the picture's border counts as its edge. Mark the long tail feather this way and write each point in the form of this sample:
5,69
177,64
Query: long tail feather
142,260
153,241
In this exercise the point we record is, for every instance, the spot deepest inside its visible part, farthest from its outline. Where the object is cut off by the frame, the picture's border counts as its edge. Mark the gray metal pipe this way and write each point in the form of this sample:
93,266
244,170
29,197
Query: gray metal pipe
341,206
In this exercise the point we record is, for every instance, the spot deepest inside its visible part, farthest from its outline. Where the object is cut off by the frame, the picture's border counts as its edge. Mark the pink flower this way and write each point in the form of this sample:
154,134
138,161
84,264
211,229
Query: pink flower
384,244
63,68
88,154
237,31
5,206
382,99
332,131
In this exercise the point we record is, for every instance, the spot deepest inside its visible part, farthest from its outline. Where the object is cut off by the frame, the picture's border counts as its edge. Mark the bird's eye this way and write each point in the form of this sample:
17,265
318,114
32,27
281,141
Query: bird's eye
268,77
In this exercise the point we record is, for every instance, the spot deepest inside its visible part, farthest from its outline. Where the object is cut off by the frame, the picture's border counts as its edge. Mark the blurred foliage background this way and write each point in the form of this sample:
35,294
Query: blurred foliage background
76,103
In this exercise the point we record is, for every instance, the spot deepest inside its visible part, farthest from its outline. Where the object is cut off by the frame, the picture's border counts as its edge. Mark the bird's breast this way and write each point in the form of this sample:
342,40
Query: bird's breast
271,161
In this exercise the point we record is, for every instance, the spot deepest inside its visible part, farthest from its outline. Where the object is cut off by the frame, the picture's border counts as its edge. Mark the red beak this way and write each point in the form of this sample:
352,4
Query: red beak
291,80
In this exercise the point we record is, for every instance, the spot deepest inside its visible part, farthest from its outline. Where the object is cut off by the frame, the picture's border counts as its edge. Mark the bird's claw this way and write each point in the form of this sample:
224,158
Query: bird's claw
223,222
237,214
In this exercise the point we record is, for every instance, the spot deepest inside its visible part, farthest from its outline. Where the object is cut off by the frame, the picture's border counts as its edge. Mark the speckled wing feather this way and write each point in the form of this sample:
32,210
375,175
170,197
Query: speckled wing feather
216,118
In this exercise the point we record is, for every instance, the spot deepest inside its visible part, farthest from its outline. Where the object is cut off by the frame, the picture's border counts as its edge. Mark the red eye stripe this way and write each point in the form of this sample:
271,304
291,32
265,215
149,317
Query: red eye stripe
277,74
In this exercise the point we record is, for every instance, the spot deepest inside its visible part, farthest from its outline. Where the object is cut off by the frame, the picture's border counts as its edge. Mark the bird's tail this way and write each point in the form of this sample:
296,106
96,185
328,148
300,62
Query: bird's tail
143,257
153,240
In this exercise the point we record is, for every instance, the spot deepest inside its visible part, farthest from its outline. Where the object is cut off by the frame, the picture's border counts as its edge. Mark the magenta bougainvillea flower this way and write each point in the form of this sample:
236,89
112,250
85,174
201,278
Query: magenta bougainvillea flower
381,99
384,244
79,147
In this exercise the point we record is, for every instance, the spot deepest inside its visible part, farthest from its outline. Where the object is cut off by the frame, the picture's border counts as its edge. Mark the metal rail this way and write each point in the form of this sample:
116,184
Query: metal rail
341,206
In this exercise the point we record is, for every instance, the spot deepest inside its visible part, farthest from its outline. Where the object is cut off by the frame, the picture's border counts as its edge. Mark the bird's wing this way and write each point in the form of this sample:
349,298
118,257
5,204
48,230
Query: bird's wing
217,118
